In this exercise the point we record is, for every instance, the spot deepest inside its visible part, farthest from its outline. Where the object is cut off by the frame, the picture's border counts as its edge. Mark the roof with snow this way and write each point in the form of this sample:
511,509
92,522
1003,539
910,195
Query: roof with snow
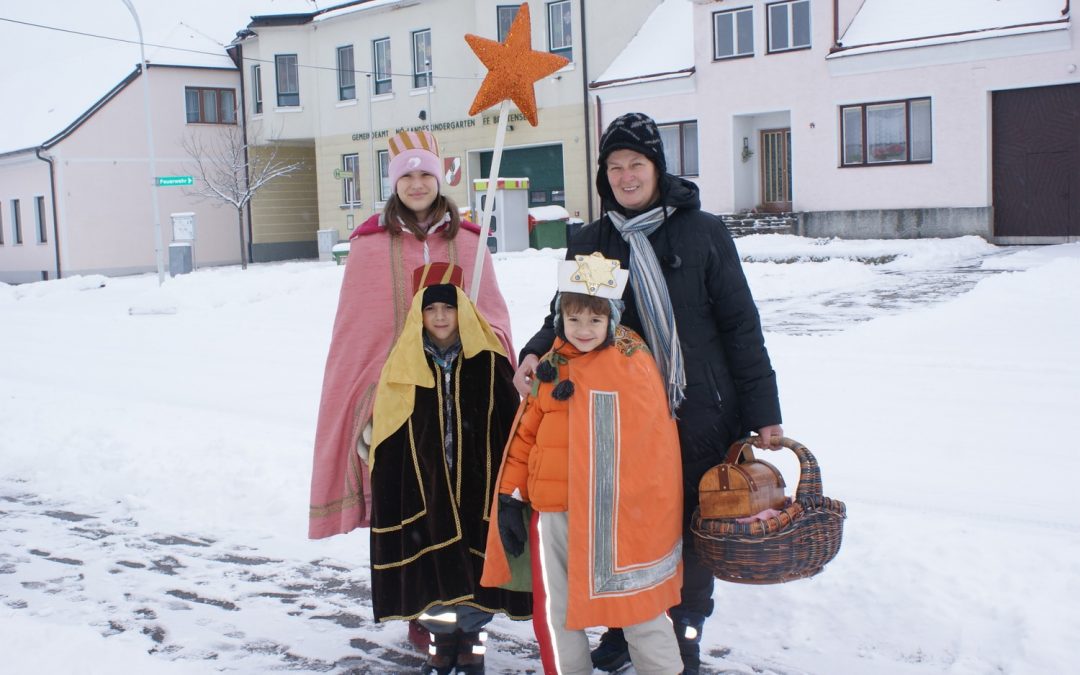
662,49
72,53
899,24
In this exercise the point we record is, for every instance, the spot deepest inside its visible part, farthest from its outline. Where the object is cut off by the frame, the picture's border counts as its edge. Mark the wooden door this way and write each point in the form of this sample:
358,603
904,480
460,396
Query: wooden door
1036,165
775,147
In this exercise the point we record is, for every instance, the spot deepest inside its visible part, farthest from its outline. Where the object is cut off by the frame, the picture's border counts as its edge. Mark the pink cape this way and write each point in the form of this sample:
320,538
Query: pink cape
375,297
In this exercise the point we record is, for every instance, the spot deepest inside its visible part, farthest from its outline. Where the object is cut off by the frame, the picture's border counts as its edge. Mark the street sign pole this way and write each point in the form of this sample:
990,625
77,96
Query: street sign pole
144,65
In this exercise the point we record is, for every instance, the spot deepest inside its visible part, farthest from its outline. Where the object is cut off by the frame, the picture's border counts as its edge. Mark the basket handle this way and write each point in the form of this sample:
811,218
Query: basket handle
809,471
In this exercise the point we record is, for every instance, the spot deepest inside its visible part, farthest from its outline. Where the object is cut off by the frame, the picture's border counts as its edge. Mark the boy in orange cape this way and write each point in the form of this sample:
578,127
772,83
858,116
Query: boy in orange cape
595,454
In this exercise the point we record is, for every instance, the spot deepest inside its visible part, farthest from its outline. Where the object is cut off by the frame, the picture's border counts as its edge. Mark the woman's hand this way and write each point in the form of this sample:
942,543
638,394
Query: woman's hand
523,376
769,437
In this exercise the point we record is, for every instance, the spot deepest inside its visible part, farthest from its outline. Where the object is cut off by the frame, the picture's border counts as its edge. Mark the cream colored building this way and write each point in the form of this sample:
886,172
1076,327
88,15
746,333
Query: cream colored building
330,86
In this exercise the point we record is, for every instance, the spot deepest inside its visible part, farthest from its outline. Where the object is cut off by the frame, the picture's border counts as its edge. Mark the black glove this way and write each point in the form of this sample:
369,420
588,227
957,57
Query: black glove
512,525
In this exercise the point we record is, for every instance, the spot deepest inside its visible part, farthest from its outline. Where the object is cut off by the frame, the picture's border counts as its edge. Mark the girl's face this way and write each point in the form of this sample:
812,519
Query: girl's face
440,323
417,190
585,330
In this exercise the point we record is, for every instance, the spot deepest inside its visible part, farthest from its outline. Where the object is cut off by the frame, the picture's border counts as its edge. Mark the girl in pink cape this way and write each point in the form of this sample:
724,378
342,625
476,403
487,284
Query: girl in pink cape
419,225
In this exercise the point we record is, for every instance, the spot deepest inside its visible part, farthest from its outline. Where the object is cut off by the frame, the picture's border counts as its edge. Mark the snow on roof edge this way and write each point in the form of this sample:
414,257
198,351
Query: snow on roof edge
949,38
657,77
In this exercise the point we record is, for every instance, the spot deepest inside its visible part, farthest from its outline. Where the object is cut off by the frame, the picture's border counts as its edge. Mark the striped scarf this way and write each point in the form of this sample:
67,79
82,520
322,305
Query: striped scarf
653,299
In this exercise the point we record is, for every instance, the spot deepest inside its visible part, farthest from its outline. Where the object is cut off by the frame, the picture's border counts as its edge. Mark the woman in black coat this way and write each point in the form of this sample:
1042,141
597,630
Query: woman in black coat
691,302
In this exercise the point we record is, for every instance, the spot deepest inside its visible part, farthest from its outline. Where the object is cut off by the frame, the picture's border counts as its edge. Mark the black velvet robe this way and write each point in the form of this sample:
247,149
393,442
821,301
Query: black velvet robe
429,520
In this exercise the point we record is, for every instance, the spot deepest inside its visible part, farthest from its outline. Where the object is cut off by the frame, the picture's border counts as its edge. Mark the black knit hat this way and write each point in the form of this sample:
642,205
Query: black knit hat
637,132
444,293
632,131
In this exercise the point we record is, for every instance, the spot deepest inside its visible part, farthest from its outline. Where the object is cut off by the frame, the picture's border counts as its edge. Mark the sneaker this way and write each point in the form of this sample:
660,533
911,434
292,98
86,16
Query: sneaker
470,653
612,654
442,653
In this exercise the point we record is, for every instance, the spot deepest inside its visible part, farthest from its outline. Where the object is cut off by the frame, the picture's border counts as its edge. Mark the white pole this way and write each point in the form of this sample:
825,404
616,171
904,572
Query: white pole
158,249
377,170
430,84
489,200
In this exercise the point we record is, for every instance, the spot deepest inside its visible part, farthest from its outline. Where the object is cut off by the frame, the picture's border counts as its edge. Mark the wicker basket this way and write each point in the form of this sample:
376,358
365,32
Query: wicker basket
796,544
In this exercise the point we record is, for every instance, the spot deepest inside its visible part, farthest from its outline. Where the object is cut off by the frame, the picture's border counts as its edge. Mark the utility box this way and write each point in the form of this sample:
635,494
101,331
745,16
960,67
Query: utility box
510,219
181,260
183,226
327,239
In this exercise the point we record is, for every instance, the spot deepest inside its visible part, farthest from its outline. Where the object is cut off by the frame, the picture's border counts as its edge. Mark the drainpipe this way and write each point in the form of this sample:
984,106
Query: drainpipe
237,56
835,22
52,198
585,110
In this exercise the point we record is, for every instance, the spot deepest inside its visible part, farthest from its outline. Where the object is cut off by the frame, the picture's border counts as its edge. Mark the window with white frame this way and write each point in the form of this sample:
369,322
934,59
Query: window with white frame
350,194
733,33
680,147
39,216
505,15
287,73
1,225
346,74
789,25
16,222
208,105
889,132
256,90
385,188
421,49
560,29
381,58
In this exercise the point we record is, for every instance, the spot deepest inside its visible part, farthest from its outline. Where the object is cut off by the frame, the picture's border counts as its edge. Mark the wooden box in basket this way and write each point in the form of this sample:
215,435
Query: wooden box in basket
739,490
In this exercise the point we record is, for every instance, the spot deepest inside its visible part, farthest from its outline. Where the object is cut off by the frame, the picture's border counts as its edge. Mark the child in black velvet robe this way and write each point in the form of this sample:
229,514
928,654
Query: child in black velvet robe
443,411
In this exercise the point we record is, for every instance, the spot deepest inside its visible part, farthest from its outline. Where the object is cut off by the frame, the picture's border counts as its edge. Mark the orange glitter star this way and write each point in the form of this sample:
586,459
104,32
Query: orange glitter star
513,67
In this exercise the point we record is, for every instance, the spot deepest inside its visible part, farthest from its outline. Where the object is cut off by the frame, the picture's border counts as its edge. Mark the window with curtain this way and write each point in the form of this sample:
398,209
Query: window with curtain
206,105
888,132
421,41
680,147
385,189
287,74
504,17
349,192
560,29
381,58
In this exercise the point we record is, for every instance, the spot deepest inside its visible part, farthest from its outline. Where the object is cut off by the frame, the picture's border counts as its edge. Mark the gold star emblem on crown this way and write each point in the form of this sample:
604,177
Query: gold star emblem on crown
594,271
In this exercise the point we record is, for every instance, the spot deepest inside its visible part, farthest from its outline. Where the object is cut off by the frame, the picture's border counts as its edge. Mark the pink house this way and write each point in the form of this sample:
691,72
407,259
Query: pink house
80,202
872,118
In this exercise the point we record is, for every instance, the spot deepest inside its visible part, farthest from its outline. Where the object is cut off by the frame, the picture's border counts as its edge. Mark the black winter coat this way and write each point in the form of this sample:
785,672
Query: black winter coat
730,383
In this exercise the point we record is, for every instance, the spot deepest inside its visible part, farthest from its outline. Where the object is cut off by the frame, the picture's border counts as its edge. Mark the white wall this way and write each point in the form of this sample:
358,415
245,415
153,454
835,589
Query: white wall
958,78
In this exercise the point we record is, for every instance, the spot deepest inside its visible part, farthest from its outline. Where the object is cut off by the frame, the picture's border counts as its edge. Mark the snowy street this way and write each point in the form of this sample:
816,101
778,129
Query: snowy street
155,454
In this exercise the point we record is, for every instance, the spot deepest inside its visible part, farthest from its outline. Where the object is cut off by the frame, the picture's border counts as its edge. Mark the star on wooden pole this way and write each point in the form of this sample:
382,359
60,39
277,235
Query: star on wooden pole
513,67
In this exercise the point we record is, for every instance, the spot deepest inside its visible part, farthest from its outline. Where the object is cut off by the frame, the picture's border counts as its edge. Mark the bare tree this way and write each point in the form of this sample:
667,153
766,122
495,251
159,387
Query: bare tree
230,170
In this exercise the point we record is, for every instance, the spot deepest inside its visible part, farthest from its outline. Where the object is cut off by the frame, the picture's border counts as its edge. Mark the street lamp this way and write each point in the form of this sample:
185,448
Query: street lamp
150,143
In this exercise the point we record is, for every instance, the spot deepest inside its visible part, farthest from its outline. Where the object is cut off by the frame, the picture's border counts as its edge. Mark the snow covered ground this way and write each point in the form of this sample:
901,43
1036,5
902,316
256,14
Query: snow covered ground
155,458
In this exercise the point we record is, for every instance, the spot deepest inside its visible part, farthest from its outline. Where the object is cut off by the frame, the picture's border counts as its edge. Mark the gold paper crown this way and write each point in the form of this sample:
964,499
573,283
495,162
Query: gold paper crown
593,275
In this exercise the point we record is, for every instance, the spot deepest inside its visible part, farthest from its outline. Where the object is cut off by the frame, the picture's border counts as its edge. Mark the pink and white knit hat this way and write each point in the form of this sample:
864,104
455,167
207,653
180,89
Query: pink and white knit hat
414,151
